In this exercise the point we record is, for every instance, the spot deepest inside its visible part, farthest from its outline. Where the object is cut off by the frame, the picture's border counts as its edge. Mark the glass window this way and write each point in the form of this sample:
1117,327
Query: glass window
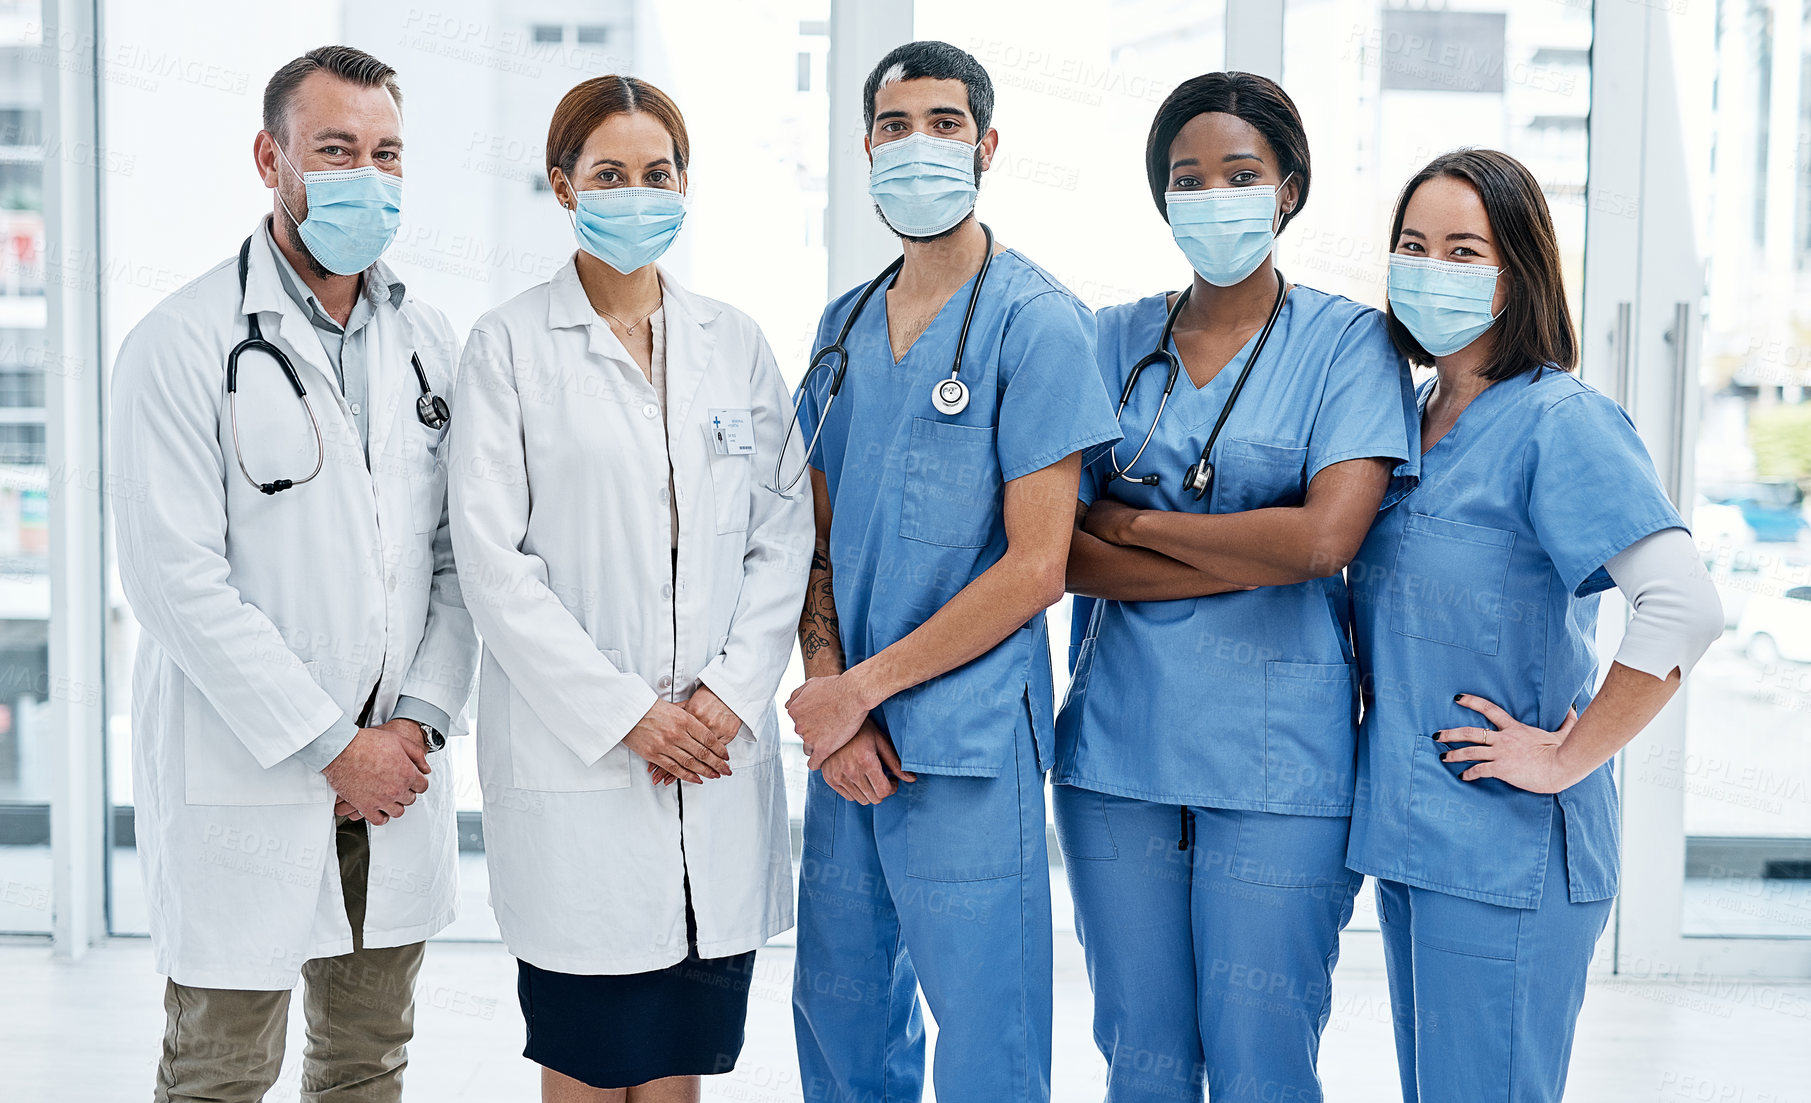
1747,764
549,32
1076,85
26,741
1383,90
593,34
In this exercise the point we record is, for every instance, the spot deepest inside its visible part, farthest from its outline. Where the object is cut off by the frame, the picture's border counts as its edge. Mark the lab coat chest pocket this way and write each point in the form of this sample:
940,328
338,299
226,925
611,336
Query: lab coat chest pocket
1251,475
952,484
219,769
1447,585
540,761
730,490
427,472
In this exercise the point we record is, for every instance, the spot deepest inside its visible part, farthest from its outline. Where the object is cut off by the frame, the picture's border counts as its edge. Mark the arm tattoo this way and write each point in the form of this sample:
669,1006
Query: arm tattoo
819,631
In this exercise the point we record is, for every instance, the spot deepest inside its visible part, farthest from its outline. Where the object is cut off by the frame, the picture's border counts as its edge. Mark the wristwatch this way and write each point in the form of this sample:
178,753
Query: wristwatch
432,736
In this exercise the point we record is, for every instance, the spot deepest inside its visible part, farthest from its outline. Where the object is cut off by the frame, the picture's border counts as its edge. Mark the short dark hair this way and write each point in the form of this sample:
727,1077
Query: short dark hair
345,62
1536,327
590,102
937,61
1258,101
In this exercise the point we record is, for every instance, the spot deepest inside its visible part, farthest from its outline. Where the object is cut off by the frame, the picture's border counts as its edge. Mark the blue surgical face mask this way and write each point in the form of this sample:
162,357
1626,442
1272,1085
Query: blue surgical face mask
353,215
924,185
627,228
1444,304
1224,232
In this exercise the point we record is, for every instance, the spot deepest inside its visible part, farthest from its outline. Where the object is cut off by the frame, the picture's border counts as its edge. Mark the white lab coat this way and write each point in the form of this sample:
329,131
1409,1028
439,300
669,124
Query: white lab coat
267,617
560,521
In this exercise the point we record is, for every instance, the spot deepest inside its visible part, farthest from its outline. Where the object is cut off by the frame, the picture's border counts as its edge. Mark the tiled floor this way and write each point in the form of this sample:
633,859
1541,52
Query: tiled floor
88,1032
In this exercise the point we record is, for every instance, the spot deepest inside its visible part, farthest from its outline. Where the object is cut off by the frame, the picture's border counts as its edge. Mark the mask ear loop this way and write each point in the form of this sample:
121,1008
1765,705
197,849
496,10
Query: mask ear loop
1277,225
279,190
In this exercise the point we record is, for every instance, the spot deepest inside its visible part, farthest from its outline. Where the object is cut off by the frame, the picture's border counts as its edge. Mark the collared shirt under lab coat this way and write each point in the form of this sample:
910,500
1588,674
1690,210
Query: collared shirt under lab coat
346,354
267,617
559,485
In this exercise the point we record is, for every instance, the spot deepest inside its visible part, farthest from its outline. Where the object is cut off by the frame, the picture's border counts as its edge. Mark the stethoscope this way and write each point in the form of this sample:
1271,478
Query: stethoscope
1199,478
430,409
949,396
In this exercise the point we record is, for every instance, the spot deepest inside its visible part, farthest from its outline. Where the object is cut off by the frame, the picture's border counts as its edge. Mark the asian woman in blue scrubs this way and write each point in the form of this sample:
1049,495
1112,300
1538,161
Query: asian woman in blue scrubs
1485,805
1204,755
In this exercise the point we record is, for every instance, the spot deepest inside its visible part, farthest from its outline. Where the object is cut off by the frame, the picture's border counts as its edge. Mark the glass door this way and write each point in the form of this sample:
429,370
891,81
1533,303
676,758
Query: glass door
1713,348
1747,756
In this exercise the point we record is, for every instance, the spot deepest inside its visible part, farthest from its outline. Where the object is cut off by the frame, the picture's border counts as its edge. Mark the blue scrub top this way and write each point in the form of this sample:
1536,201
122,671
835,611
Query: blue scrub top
1242,700
1485,580
917,495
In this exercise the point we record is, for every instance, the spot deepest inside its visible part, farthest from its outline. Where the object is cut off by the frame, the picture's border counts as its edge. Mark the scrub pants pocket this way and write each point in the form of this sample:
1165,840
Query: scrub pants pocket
962,828
1082,830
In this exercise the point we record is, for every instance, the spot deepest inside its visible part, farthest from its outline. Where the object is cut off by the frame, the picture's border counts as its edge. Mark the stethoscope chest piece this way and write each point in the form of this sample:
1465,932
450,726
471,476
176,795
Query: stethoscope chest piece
950,396
1199,479
431,410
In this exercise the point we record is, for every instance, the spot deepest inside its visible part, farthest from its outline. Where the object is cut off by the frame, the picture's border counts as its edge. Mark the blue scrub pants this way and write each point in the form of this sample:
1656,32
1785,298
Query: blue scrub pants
1485,998
946,886
1210,947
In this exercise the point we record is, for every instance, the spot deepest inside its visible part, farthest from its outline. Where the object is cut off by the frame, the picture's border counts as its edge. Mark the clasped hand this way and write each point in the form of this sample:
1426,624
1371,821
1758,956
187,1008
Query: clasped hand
380,772
688,741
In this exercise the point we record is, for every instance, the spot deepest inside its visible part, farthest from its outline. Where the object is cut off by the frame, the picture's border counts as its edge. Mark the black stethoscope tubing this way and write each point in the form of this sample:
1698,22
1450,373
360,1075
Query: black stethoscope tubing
430,409
1200,476
837,349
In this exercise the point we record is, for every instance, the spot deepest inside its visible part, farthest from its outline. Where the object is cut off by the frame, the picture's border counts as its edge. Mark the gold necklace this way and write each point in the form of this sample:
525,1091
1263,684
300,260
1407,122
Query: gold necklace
629,328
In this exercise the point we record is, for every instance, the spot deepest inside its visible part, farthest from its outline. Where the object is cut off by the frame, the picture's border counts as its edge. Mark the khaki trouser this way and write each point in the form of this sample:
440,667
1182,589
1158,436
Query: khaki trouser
223,1045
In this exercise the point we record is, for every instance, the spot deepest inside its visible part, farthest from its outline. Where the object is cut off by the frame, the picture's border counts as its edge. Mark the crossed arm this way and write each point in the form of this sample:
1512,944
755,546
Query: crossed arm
831,709
1128,554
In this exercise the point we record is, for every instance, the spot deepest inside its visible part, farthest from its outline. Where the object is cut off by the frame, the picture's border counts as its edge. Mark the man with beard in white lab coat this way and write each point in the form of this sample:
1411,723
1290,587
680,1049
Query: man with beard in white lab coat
305,645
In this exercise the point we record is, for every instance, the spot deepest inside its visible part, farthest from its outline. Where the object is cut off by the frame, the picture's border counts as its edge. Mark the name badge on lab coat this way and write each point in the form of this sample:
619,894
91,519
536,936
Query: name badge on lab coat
733,432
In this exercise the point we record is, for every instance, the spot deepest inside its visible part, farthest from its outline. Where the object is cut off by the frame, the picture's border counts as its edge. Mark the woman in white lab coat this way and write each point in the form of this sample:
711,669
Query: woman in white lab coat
636,586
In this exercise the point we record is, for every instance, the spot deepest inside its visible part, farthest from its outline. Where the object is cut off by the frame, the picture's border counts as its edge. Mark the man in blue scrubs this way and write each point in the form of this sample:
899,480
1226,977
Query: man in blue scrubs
943,532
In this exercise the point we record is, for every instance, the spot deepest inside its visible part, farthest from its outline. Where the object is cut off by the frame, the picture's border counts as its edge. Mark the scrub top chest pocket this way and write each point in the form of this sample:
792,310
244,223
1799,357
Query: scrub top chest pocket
952,484
1253,475
1447,584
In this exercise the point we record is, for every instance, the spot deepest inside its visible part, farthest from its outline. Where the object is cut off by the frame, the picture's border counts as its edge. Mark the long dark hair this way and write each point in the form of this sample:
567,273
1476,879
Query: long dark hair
1258,101
1536,327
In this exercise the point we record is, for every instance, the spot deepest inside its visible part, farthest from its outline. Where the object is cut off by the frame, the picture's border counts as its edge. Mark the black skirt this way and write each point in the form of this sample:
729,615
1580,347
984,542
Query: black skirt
624,1030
